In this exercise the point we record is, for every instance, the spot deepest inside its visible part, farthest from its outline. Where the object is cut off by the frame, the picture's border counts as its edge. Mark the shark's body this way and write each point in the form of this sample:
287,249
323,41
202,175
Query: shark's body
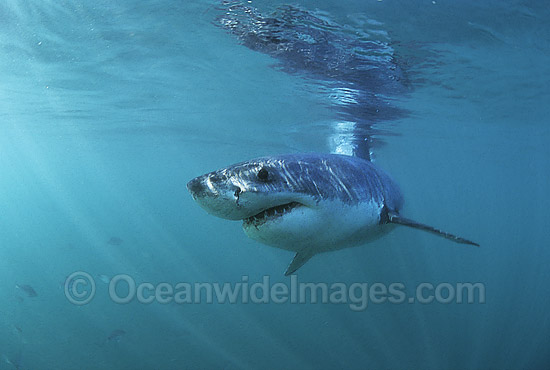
306,203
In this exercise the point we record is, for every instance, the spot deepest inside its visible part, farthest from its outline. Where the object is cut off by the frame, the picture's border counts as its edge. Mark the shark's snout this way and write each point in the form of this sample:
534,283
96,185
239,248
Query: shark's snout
196,187
217,197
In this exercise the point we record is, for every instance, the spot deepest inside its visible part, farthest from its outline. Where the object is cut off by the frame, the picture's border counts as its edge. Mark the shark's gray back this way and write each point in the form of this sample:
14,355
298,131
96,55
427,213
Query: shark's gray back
349,179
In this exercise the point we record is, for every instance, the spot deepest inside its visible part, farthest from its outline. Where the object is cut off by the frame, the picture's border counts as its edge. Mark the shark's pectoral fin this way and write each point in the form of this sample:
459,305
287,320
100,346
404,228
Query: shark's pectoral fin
298,261
394,218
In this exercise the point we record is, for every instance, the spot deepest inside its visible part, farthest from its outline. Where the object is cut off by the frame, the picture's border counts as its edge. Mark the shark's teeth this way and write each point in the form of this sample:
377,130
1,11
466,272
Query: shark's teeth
265,215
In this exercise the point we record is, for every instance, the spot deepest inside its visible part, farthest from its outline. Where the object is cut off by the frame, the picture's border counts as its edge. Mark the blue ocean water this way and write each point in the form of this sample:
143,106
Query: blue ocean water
108,109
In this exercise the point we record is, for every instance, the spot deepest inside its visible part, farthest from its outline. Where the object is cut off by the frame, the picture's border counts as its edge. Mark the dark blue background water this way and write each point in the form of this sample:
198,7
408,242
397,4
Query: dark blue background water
107,109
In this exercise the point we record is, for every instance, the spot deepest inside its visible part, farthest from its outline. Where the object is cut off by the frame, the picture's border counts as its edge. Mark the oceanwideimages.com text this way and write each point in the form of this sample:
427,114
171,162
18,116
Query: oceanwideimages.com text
80,288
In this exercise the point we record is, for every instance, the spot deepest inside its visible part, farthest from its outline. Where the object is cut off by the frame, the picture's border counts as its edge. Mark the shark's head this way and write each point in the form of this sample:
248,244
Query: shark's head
294,200
253,189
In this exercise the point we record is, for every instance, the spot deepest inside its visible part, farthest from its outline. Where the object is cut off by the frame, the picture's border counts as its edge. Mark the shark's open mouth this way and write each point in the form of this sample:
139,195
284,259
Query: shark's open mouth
270,214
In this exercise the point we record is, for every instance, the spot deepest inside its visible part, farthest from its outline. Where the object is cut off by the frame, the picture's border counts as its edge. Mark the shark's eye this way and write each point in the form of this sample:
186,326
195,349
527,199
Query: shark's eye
263,174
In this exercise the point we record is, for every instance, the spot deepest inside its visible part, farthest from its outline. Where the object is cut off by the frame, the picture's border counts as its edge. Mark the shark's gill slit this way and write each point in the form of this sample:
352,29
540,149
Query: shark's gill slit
237,193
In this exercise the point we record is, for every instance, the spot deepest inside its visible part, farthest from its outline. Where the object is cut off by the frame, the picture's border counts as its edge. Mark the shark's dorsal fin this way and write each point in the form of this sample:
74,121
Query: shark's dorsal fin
298,261
394,218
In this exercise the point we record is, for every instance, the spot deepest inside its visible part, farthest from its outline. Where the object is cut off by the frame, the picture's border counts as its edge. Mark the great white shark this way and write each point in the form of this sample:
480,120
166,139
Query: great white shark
315,203
307,203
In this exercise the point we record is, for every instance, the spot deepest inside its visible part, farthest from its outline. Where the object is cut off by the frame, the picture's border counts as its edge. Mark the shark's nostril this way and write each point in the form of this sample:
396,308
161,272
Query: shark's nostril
195,186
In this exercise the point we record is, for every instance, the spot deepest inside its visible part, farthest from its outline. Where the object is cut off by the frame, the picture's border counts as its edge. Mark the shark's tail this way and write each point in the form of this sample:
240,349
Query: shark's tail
394,218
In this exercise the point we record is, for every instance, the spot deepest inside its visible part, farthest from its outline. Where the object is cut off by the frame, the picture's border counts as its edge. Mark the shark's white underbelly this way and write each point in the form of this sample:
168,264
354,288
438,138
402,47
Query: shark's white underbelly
331,225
